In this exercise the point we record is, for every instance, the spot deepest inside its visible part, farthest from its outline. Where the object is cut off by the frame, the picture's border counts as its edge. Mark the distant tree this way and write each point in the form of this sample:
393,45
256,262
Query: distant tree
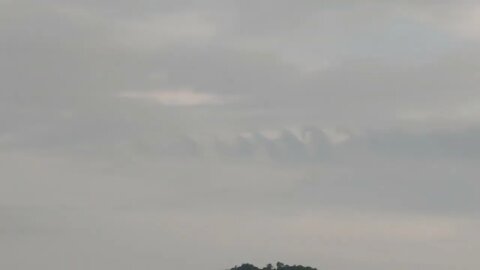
246,266
280,266
268,267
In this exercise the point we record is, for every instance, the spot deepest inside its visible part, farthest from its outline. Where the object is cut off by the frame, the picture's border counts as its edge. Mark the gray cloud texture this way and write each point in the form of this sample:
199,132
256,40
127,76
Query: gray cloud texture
180,134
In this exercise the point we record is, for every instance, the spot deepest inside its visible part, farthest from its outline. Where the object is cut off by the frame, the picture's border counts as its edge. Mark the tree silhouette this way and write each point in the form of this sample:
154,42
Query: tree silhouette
280,266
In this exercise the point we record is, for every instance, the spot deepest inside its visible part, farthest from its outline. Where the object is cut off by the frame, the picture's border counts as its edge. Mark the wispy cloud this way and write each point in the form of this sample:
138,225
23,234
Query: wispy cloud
158,32
461,19
180,97
465,112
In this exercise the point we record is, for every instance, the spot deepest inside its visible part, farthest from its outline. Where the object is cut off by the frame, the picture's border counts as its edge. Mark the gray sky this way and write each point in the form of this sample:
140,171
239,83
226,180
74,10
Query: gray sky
203,134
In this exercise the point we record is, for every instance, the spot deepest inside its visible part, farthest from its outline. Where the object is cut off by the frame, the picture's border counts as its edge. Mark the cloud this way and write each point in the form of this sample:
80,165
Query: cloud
158,32
119,132
460,19
180,97
466,112
457,143
284,145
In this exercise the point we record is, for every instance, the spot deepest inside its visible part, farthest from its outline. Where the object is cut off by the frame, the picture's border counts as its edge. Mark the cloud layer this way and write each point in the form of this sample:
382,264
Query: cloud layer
179,134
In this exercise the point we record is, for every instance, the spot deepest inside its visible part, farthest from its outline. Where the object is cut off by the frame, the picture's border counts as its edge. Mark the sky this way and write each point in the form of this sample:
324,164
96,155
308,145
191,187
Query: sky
205,134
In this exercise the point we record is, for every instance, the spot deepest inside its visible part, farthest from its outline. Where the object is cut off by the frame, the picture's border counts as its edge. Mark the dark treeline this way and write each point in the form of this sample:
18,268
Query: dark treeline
279,266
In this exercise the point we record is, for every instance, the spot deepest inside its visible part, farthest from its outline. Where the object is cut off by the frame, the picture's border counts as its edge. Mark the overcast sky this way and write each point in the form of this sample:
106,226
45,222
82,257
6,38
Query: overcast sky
155,134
